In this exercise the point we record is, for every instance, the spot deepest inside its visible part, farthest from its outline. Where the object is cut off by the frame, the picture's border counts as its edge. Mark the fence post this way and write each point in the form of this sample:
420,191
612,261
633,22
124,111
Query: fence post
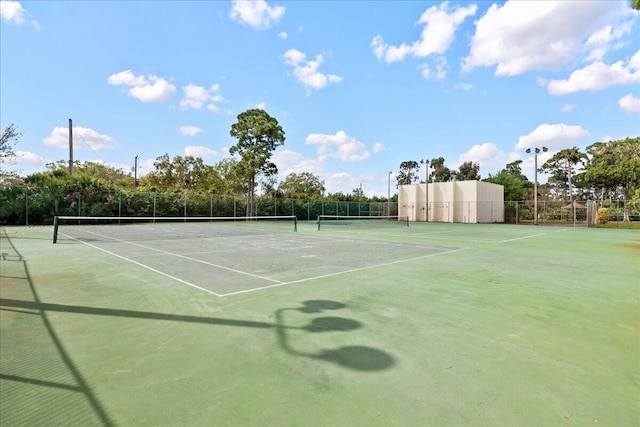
26,205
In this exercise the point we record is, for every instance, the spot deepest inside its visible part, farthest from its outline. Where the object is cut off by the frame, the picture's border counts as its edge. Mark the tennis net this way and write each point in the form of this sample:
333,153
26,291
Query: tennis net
166,228
362,221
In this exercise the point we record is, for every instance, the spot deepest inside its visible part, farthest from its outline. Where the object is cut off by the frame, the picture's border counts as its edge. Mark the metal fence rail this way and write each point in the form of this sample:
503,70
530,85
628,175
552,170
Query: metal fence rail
39,205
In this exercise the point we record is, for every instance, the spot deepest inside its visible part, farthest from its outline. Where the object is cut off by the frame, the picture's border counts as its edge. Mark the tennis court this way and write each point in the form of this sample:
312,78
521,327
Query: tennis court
358,323
230,257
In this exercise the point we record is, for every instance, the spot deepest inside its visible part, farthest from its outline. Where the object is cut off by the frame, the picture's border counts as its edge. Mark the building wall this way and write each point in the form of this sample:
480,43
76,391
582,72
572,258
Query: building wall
456,201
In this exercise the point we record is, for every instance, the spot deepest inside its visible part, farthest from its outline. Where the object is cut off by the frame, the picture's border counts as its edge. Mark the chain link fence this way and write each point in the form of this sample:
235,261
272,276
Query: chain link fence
38,206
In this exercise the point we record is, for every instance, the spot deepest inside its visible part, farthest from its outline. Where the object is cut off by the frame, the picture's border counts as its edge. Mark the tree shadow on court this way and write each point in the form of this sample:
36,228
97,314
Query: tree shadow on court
355,357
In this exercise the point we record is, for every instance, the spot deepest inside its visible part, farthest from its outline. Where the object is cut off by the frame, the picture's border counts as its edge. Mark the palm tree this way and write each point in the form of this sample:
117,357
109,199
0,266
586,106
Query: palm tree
572,156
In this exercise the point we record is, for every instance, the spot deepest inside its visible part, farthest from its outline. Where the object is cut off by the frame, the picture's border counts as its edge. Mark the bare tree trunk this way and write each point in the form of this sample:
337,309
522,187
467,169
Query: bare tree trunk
573,207
627,205
250,197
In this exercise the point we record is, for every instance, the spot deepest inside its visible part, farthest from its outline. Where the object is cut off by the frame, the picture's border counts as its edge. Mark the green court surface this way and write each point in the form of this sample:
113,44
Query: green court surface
363,324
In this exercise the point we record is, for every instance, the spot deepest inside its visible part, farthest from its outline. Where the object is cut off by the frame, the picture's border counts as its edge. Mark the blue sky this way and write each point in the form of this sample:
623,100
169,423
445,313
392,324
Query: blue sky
358,86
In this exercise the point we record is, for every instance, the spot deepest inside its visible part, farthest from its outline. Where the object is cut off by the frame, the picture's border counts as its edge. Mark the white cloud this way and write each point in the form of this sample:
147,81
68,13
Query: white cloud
261,105
567,108
345,182
25,159
440,70
603,40
440,25
83,138
557,136
629,103
189,130
256,13
147,89
282,35
490,158
378,147
306,72
289,161
199,151
463,86
545,35
12,11
126,78
339,146
195,97
598,76
156,90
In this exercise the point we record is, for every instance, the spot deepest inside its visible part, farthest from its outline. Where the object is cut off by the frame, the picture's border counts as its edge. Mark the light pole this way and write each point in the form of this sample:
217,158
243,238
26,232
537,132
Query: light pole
389,194
426,189
535,186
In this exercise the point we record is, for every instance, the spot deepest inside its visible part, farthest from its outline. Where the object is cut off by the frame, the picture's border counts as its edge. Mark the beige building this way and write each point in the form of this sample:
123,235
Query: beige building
456,201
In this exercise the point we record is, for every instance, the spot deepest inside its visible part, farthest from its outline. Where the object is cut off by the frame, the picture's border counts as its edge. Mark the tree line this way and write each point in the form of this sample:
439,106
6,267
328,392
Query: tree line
605,171
258,135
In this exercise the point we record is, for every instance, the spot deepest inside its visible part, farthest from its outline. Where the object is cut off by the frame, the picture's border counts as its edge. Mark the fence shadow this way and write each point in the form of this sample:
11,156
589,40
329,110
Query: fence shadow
354,357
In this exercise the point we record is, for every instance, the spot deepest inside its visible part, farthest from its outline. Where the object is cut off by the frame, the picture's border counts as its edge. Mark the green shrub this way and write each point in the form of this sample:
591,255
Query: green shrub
603,215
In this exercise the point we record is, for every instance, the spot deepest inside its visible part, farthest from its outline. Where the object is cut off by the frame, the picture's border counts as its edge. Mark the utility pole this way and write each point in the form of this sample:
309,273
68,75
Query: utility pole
70,148
135,172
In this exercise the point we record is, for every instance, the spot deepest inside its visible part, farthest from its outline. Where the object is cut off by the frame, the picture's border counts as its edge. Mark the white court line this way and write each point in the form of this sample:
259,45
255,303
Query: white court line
562,230
341,272
188,258
420,236
521,238
145,266
424,236
278,283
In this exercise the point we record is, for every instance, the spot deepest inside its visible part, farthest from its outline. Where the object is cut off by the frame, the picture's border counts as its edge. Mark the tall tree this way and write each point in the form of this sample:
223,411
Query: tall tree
358,194
514,182
179,173
229,182
258,136
440,172
513,189
9,138
515,170
615,165
468,171
408,173
304,185
561,168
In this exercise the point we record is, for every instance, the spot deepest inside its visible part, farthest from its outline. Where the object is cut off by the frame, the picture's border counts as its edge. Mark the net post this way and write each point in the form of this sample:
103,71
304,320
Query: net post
407,220
319,222
295,224
55,229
